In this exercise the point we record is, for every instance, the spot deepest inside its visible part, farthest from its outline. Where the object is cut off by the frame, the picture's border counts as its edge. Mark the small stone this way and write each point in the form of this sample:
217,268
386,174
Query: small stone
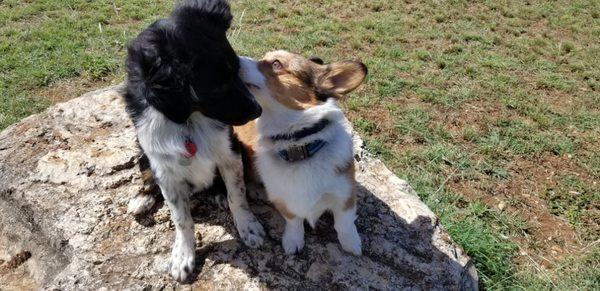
502,205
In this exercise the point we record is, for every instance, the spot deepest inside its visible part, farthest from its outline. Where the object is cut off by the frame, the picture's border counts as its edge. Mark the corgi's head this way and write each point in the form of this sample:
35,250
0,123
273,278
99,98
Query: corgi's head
282,78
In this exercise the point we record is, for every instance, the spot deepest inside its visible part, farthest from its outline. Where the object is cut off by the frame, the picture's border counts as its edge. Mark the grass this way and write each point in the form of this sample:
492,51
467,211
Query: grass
46,42
490,109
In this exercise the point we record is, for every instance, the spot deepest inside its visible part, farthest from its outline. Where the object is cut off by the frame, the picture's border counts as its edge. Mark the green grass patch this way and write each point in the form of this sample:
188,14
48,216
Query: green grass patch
43,42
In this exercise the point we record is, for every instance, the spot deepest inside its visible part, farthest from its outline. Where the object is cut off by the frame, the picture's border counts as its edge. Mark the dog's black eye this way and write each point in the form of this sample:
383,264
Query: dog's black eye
277,66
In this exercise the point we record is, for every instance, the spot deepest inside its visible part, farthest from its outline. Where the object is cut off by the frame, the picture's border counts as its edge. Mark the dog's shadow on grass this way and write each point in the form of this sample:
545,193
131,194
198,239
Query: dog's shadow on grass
401,252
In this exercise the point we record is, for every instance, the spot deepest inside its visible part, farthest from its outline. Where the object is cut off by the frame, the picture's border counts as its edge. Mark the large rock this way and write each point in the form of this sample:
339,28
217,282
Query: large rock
65,179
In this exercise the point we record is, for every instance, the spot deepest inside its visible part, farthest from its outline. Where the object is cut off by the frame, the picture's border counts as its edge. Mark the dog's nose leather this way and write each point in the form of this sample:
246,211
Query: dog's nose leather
257,111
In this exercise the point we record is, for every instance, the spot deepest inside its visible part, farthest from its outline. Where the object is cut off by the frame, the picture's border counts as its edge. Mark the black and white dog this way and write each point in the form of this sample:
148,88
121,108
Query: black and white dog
184,94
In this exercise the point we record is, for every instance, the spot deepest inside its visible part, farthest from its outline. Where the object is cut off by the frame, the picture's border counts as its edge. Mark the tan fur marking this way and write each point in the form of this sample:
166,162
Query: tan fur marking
247,134
351,201
147,176
348,170
289,86
148,180
296,83
282,208
343,77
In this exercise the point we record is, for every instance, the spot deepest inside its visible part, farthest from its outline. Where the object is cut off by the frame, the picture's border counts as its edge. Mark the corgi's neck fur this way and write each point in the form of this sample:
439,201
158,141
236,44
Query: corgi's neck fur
282,120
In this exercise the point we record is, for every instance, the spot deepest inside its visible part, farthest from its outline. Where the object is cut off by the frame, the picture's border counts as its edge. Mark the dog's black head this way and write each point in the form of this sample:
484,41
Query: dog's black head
184,64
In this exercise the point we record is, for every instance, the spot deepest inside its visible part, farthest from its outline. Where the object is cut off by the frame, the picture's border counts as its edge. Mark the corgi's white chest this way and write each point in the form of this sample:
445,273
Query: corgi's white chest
305,186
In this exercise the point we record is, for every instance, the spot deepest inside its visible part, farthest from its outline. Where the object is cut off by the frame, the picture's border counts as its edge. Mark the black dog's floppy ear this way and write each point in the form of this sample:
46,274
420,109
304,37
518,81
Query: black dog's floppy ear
157,76
316,60
167,91
175,105
341,78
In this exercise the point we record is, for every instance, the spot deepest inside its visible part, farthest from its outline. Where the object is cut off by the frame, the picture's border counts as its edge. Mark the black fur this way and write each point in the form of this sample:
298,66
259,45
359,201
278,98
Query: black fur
302,133
316,60
234,142
184,64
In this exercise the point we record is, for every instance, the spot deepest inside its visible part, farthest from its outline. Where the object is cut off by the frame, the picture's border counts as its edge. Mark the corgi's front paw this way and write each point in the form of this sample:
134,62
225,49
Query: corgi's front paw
293,238
292,243
351,242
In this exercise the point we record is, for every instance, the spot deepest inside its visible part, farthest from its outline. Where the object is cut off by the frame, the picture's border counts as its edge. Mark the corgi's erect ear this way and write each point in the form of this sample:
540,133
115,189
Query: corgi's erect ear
341,78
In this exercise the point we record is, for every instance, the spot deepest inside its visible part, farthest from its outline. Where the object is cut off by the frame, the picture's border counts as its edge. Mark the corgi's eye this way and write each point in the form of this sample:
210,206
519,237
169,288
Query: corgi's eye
277,66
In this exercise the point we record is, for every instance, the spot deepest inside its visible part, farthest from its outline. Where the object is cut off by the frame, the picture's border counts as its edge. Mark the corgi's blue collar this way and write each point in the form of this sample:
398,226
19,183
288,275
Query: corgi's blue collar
305,151
301,152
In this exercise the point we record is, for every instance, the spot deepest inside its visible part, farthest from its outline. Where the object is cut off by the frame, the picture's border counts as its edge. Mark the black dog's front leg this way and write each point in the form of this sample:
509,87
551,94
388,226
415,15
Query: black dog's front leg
181,264
250,230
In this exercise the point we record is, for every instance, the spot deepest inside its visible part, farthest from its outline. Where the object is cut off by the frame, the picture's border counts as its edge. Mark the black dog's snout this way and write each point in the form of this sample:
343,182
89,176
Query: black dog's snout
257,109
254,110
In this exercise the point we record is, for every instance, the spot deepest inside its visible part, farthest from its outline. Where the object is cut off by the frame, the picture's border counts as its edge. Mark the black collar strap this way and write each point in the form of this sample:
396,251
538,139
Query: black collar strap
302,133
301,152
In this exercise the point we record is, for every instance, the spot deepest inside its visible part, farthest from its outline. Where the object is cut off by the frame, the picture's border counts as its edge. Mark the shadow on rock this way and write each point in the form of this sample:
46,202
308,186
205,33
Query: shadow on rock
396,253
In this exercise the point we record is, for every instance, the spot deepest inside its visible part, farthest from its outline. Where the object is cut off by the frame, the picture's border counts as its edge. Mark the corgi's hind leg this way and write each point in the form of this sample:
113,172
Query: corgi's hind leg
293,235
344,214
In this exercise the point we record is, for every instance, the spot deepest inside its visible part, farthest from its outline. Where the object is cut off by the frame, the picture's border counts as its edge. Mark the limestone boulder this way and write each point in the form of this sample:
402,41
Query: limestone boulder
66,176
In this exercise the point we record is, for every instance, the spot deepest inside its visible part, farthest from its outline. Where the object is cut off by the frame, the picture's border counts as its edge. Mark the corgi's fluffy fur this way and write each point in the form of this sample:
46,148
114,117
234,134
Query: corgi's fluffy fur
297,94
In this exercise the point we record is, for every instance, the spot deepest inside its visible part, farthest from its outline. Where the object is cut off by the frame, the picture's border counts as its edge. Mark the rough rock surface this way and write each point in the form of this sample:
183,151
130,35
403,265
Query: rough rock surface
65,179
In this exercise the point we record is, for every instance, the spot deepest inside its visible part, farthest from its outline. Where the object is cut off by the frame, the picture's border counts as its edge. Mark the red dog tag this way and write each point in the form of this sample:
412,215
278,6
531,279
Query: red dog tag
191,148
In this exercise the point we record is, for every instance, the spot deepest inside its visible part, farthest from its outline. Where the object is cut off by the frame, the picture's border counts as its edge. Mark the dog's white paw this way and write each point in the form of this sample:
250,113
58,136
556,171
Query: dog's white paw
351,242
250,230
140,204
181,264
293,240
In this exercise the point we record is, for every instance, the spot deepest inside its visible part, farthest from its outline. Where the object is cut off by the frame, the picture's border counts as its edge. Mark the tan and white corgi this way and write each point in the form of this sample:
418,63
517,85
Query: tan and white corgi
301,146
